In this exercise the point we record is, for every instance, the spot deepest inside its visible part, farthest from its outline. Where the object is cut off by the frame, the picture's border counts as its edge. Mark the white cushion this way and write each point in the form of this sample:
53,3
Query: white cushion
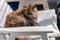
46,17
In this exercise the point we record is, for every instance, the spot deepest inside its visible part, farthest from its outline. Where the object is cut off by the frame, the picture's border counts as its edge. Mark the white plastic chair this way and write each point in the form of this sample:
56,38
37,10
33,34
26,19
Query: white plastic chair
48,14
48,17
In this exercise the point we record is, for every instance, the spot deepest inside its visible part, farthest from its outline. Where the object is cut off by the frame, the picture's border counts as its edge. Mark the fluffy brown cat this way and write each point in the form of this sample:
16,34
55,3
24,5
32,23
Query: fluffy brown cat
25,17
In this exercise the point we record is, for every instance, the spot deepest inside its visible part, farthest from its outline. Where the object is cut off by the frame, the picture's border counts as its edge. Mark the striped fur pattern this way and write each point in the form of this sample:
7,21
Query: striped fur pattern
25,17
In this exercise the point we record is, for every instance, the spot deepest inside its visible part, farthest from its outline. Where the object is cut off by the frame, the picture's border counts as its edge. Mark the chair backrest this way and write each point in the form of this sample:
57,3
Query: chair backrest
47,17
5,9
44,3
